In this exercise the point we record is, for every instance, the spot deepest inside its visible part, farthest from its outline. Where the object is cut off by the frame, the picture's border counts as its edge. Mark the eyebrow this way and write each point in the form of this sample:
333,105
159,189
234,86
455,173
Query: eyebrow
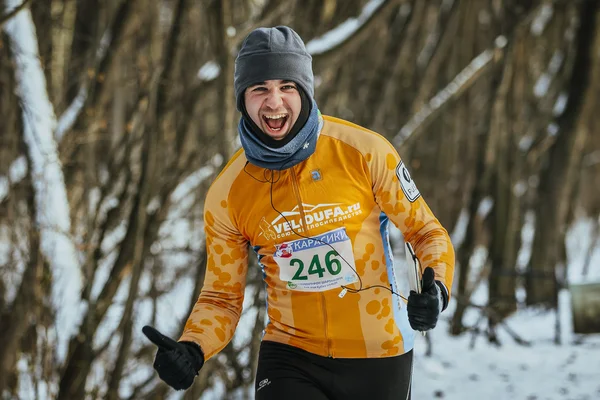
283,82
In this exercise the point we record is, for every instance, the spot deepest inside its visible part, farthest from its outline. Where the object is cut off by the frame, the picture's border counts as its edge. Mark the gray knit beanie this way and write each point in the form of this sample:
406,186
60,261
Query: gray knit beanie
272,53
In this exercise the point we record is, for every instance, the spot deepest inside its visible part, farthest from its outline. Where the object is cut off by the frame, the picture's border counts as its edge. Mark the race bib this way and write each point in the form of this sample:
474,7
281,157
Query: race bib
318,263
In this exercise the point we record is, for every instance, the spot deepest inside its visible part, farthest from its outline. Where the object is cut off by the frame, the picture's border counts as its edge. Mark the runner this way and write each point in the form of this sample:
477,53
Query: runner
312,195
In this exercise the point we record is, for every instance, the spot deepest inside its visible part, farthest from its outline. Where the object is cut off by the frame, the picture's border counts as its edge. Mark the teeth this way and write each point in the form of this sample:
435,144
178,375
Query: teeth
276,116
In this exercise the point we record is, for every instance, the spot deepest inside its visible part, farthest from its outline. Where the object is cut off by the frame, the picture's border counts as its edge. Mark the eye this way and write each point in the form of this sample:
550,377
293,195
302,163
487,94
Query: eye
288,87
259,89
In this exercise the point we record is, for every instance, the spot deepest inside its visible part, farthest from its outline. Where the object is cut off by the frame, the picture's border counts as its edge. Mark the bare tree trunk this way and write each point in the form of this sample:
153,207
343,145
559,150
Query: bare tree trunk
482,178
24,309
558,179
149,161
220,20
505,218
83,45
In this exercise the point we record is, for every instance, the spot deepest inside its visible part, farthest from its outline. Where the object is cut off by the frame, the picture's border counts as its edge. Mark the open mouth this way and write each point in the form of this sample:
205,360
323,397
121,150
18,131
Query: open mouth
276,123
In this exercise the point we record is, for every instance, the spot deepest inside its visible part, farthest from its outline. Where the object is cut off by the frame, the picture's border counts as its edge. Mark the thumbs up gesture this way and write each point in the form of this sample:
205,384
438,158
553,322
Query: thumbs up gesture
424,308
177,363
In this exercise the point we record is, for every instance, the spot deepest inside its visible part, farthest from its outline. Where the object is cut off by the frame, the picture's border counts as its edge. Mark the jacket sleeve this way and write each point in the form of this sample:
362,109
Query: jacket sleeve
398,197
217,311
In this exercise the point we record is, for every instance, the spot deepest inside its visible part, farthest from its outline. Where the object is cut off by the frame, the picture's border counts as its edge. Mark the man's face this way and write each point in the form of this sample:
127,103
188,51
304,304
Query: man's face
274,106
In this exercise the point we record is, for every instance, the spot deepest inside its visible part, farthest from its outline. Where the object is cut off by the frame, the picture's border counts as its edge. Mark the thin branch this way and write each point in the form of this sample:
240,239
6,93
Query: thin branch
432,61
269,19
90,90
496,318
141,387
170,49
461,82
351,41
11,14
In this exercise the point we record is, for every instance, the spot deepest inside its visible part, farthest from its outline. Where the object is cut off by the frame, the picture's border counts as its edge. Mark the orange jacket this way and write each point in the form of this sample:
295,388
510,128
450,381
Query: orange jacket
345,193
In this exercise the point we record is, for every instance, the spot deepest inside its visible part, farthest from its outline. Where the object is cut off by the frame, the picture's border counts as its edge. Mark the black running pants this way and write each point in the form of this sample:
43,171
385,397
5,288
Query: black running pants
290,373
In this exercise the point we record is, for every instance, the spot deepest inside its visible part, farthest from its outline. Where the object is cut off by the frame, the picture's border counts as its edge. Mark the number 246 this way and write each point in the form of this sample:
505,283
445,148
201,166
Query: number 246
333,265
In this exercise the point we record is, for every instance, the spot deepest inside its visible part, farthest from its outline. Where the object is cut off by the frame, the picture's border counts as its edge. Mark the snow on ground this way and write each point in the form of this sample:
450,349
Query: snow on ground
542,371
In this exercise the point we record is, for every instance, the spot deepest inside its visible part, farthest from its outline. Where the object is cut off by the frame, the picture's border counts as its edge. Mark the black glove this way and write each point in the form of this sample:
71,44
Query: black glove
424,308
177,363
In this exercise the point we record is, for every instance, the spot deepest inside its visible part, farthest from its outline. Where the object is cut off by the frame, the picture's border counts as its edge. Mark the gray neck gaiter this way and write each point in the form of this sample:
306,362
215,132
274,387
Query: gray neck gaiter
297,150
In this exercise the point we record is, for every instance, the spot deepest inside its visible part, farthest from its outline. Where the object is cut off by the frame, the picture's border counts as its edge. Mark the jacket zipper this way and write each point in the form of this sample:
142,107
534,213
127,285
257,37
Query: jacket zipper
296,188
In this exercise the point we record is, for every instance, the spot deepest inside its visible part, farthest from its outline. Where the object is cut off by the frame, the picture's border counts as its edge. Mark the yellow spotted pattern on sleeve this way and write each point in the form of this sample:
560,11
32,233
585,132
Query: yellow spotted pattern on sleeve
415,219
217,311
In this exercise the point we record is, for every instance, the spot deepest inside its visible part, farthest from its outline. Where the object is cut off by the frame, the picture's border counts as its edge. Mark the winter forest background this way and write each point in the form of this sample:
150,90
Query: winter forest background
115,116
